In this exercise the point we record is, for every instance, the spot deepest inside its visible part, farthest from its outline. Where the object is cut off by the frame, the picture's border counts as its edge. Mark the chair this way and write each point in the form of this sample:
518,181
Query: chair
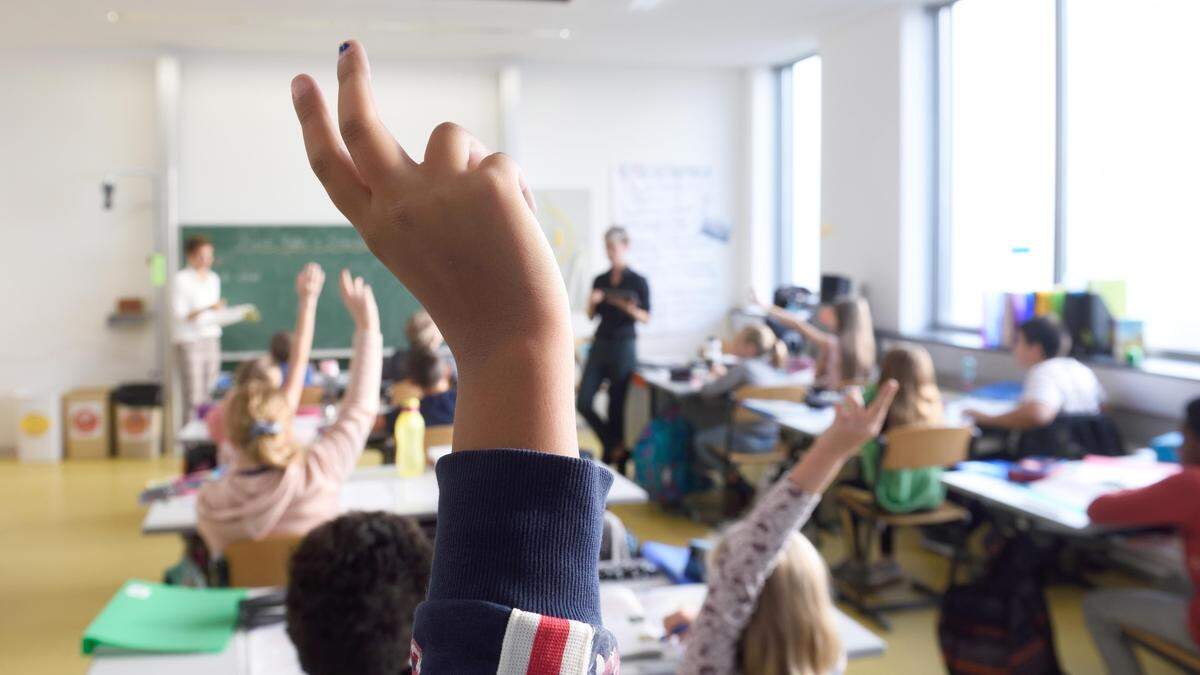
312,395
1181,658
904,448
1072,437
404,390
739,415
260,563
437,436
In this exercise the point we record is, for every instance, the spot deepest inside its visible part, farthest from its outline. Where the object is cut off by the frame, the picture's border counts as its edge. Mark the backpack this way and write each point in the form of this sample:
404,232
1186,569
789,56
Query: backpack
662,464
1000,624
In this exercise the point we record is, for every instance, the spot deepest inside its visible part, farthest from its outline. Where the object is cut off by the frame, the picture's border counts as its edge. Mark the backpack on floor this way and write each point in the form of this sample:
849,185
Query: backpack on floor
662,463
1000,624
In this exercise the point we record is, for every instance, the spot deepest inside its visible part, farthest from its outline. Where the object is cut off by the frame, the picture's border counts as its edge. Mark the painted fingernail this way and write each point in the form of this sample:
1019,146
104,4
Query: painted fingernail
343,47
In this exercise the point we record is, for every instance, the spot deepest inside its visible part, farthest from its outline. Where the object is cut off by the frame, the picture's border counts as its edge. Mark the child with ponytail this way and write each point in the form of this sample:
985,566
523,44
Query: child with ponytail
274,486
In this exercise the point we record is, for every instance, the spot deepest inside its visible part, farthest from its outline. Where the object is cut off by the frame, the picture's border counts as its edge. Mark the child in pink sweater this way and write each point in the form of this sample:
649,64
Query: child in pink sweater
274,487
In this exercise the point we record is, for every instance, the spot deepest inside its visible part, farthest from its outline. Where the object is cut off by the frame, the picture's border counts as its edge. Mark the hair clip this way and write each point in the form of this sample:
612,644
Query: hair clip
261,428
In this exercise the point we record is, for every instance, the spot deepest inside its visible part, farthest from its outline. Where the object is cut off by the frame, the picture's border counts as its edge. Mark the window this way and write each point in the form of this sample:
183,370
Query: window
998,130
1068,156
1132,158
800,173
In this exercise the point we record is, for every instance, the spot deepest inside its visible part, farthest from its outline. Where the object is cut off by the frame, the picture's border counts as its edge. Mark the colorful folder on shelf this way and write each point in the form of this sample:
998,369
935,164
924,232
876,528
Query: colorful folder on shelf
149,617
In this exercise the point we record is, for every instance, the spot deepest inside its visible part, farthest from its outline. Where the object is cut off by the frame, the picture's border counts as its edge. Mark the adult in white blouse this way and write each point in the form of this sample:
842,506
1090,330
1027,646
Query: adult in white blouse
196,299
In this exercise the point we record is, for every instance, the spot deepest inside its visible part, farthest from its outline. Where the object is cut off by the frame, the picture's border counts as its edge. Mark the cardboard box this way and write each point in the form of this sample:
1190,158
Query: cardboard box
139,431
39,428
86,424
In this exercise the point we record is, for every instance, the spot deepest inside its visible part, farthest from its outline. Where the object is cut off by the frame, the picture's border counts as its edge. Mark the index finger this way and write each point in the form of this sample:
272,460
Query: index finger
883,400
376,154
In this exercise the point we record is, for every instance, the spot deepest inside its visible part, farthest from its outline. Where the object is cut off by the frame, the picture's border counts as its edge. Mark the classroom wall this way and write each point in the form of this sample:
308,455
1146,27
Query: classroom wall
69,119
577,123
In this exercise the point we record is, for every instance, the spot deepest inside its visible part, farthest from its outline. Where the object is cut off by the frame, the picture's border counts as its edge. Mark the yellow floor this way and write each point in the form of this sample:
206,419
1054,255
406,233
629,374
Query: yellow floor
69,536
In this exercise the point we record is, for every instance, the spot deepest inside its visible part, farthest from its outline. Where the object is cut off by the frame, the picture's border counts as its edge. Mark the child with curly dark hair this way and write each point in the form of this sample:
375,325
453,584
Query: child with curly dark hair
353,584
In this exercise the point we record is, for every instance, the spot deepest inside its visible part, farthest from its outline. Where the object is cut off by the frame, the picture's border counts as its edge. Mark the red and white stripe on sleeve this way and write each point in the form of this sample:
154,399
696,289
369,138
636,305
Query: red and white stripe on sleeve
536,644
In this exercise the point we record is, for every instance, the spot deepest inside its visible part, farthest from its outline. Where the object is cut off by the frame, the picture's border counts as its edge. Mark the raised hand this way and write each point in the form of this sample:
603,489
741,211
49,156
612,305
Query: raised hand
458,230
360,302
309,281
856,424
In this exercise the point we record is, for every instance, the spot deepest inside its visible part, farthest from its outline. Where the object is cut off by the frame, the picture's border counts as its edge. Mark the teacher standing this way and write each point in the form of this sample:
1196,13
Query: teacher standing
195,300
621,298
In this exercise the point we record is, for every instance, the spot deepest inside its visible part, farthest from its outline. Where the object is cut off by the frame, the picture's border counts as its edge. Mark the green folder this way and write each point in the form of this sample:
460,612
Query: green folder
149,617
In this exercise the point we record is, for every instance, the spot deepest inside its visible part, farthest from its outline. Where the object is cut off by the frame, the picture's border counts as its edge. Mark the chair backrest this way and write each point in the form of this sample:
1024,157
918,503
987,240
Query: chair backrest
442,434
921,447
312,395
791,393
260,563
404,390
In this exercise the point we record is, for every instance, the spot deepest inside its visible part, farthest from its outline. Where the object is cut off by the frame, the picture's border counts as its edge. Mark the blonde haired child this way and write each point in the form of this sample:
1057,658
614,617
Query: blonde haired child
768,608
274,486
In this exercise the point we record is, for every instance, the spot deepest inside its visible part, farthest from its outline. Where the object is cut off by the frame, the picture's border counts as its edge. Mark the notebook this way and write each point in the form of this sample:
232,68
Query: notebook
149,617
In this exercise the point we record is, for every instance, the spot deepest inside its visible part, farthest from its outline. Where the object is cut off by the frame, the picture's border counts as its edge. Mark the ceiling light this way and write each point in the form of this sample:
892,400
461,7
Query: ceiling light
112,16
564,34
643,5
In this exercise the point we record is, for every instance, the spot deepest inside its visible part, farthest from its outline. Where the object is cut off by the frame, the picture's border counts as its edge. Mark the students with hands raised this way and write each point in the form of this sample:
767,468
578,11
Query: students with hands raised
790,628
514,579
273,486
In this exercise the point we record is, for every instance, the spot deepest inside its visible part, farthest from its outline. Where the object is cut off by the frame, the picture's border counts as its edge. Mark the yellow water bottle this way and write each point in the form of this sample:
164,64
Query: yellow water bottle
410,439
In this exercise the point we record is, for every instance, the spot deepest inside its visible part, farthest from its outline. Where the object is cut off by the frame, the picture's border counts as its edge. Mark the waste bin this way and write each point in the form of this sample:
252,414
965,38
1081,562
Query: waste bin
137,414
85,423
39,427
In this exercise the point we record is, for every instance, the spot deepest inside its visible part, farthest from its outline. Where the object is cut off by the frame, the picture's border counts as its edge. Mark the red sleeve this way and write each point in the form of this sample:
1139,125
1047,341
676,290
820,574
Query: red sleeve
1170,501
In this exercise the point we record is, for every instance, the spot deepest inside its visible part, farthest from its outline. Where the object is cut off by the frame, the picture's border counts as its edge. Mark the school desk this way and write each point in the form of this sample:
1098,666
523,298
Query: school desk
268,650
635,618
370,489
657,376
1057,503
809,421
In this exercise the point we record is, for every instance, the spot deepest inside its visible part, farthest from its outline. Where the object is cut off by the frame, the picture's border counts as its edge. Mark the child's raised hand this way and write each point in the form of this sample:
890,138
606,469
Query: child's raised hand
309,281
360,302
458,230
856,424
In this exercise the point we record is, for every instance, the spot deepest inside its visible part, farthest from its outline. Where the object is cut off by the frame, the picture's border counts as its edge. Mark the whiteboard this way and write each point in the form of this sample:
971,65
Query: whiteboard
678,243
564,216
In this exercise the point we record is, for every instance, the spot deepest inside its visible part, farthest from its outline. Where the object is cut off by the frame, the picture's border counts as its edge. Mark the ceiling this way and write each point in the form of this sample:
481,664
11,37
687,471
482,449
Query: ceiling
691,32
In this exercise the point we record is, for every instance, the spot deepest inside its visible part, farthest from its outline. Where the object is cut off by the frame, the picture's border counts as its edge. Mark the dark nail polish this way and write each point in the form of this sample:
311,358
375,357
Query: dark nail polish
343,47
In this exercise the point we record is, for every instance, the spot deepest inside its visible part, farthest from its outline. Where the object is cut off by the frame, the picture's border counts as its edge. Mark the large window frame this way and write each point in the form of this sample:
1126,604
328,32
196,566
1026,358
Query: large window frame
942,166
785,261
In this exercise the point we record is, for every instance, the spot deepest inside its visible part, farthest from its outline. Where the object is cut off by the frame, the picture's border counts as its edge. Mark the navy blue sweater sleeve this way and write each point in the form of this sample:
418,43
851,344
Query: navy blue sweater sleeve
518,541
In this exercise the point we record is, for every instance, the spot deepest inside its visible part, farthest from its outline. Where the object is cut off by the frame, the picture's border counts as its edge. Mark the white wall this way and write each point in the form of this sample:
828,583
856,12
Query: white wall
579,122
241,159
67,121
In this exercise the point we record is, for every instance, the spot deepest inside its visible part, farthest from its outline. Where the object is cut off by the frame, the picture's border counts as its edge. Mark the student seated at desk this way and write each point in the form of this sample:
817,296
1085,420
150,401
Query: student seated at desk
430,372
1174,618
274,487
768,608
266,370
422,333
282,344
847,354
1054,385
760,358
353,584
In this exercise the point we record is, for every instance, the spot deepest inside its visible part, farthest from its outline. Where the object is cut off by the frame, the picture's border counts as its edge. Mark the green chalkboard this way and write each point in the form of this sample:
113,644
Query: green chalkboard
258,264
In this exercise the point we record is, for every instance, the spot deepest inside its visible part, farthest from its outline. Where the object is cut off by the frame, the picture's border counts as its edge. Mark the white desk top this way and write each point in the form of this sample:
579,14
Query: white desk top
267,651
1059,502
805,419
371,489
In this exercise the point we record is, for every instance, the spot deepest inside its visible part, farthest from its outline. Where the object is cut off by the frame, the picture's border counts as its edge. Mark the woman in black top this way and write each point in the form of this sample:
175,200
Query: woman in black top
621,298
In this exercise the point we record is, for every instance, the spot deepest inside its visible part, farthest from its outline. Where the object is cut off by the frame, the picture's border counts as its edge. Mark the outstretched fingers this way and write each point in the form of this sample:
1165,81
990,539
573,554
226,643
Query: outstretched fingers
328,158
376,154
878,411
